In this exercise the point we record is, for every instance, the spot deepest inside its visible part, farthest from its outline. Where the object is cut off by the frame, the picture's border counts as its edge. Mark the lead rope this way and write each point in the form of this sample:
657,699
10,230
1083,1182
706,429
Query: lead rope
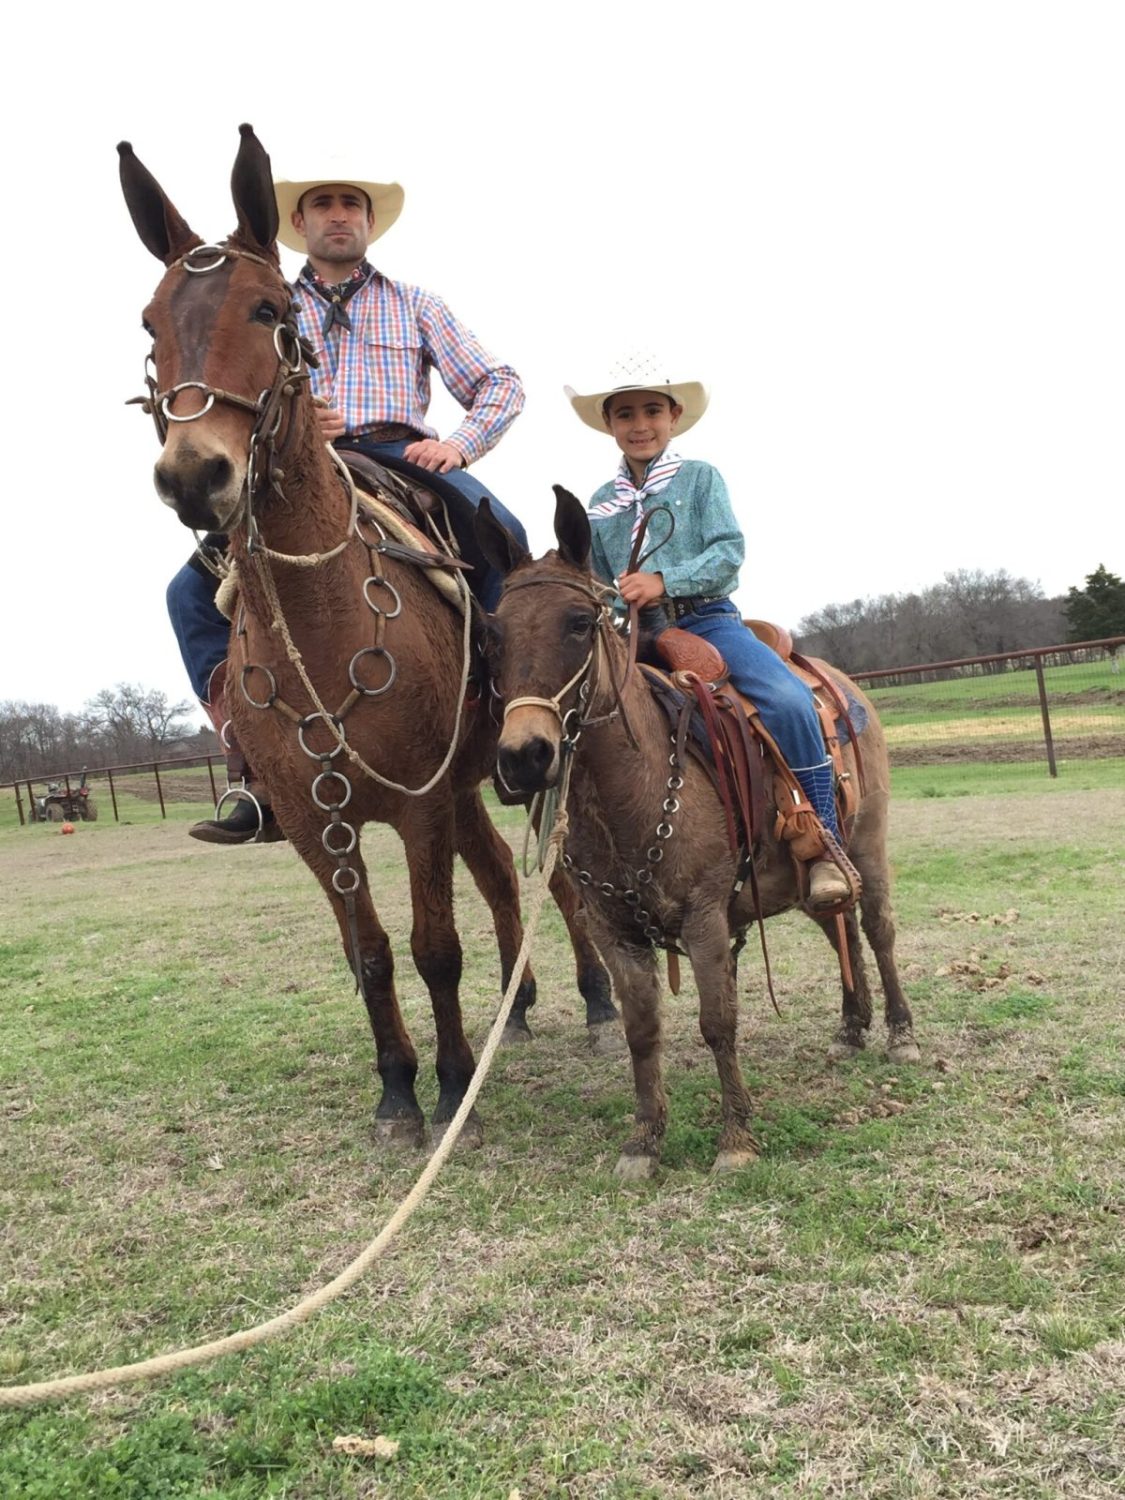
182,1359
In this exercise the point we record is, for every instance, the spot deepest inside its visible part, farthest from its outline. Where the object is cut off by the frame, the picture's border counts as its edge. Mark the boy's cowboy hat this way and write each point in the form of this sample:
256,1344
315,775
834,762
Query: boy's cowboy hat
386,201
640,372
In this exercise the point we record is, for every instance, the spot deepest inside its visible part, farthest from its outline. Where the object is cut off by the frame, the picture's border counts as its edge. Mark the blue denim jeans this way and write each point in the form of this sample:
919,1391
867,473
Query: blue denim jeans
783,700
203,634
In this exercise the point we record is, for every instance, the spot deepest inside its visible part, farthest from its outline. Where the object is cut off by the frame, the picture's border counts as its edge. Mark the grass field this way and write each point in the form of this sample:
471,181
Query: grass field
917,1292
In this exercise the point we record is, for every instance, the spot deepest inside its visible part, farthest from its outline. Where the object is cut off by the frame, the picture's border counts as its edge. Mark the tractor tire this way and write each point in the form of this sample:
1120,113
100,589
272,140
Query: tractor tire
89,809
55,814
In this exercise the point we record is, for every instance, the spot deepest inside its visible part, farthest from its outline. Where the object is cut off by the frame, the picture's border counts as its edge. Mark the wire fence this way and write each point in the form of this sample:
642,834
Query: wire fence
1047,709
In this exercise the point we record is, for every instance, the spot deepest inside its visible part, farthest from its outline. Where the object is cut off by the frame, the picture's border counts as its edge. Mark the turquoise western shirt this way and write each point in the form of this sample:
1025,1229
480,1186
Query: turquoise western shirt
706,548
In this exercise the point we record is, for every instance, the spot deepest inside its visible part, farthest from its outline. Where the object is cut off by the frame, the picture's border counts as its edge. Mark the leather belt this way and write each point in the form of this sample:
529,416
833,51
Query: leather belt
688,604
387,432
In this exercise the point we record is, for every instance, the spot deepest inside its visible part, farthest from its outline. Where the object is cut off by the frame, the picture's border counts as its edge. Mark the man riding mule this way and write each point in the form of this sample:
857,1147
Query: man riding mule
374,341
349,671
660,859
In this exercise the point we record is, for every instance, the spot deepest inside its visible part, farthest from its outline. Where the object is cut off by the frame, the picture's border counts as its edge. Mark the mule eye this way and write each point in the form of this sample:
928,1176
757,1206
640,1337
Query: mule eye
580,624
148,328
265,312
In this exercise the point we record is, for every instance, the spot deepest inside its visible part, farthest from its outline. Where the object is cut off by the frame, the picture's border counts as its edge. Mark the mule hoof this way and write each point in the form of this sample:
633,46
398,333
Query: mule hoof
516,1033
471,1137
634,1168
844,1045
400,1130
901,1046
606,1039
734,1161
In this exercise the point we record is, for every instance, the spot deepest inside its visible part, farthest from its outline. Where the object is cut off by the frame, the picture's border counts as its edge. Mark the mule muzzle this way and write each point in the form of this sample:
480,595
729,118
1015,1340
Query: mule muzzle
531,766
203,489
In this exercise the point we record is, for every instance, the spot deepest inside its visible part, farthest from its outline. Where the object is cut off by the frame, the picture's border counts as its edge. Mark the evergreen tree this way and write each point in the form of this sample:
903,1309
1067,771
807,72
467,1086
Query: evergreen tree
1098,610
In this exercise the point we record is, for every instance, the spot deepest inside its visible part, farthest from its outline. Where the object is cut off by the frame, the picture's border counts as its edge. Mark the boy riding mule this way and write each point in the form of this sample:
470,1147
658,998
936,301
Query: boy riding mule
648,835
350,676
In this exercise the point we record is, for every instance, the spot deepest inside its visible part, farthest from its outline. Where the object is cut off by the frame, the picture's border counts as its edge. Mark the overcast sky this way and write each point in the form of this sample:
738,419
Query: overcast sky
889,236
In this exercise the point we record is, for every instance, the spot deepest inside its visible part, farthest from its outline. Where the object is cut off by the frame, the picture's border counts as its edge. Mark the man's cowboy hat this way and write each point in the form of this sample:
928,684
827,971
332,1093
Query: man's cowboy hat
386,201
640,372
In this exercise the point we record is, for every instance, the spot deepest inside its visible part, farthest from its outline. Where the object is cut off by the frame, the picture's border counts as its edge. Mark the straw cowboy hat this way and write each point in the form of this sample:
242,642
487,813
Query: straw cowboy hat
386,201
640,372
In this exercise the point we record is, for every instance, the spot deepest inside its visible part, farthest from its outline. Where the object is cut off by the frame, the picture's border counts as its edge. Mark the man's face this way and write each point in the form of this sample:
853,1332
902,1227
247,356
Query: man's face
642,423
336,223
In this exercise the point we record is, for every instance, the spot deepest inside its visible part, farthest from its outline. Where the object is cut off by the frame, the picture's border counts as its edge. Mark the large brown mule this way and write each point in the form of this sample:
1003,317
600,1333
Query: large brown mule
327,607
647,836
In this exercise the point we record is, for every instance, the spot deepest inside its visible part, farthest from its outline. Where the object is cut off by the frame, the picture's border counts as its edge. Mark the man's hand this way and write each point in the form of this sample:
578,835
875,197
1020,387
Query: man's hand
439,458
641,588
330,422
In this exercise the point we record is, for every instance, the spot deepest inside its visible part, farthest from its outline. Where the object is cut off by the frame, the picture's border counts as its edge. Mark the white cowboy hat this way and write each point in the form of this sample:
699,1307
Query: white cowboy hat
386,201
640,372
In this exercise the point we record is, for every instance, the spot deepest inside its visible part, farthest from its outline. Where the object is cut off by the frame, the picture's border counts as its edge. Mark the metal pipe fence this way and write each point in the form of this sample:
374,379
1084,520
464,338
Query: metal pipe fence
1047,708
179,779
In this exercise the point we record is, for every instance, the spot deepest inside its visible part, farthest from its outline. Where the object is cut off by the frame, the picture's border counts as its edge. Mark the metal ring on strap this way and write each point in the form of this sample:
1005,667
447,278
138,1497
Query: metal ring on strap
213,265
253,702
187,385
392,670
352,839
390,614
320,755
340,889
331,806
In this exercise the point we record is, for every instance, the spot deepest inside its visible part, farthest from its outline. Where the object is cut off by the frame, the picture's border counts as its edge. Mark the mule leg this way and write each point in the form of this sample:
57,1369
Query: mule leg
493,869
636,982
878,922
855,1020
428,837
708,943
591,973
398,1116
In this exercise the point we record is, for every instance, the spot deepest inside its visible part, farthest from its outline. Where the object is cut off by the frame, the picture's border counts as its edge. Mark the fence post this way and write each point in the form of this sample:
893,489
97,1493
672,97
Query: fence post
159,788
211,774
113,797
1046,715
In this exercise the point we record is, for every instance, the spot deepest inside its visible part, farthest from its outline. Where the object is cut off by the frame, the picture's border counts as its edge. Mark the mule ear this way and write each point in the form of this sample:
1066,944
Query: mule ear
495,540
572,528
251,186
162,229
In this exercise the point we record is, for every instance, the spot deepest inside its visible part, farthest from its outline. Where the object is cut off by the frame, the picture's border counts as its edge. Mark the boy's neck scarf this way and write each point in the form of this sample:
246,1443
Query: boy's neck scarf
336,294
658,475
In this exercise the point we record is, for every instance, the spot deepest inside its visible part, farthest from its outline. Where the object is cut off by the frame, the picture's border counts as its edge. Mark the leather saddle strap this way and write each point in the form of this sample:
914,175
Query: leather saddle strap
840,703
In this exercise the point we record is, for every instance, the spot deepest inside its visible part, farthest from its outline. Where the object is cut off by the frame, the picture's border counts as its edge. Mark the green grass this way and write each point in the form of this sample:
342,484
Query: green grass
916,1292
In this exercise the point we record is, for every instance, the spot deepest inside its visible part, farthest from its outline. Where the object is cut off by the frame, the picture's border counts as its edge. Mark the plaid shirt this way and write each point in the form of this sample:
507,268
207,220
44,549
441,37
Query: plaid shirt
378,372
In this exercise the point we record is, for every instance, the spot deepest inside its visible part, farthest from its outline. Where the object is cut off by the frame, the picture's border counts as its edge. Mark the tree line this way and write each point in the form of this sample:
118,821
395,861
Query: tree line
969,613
118,726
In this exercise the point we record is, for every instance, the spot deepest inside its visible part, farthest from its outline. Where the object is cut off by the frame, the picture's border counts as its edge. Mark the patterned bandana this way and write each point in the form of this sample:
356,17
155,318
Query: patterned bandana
338,293
658,476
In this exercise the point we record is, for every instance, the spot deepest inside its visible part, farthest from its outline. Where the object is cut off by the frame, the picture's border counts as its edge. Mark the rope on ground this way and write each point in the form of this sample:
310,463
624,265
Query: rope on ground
182,1359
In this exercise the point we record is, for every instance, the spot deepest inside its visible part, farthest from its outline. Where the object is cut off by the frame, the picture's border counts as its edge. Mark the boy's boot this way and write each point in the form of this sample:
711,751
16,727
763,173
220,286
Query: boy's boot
241,824
828,885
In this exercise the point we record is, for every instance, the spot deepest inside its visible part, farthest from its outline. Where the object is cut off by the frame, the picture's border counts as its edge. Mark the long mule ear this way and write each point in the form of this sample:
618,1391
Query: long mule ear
496,542
163,230
572,528
251,187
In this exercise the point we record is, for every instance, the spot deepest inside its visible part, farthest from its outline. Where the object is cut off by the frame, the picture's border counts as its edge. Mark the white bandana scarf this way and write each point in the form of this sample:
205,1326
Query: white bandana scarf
658,476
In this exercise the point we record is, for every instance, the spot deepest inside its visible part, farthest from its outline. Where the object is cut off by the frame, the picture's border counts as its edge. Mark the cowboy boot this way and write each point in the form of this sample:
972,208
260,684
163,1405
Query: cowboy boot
828,885
250,819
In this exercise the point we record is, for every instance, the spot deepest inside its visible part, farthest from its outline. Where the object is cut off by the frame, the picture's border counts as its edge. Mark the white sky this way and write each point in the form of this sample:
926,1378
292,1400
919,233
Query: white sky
889,236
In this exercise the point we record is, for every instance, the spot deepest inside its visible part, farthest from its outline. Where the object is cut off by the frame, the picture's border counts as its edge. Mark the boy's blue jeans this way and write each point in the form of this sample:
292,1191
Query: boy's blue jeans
203,634
783,700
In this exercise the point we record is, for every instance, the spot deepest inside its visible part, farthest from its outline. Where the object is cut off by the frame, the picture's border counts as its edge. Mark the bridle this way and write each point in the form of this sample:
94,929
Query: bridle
294,356
573,720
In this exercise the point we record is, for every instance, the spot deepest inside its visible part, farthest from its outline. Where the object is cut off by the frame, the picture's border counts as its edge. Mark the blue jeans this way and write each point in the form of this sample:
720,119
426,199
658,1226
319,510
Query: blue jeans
783,700
203,634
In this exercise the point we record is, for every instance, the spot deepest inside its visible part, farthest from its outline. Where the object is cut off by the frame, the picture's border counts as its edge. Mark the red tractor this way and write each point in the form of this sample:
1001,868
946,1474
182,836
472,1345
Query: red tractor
61,805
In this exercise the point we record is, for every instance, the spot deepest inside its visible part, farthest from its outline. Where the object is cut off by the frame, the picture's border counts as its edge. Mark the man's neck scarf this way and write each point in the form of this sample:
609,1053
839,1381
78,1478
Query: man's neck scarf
658,475
338,293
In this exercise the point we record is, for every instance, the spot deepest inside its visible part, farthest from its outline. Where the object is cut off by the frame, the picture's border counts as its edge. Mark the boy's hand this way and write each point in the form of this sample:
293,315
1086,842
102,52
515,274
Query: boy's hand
641,588
439,458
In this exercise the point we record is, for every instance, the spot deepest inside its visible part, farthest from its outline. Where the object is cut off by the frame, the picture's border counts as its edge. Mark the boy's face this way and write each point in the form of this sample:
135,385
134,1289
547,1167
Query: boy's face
642,423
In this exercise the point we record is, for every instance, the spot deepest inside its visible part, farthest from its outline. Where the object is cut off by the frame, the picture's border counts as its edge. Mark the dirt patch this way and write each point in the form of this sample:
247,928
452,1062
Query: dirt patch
177,787
1090,747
